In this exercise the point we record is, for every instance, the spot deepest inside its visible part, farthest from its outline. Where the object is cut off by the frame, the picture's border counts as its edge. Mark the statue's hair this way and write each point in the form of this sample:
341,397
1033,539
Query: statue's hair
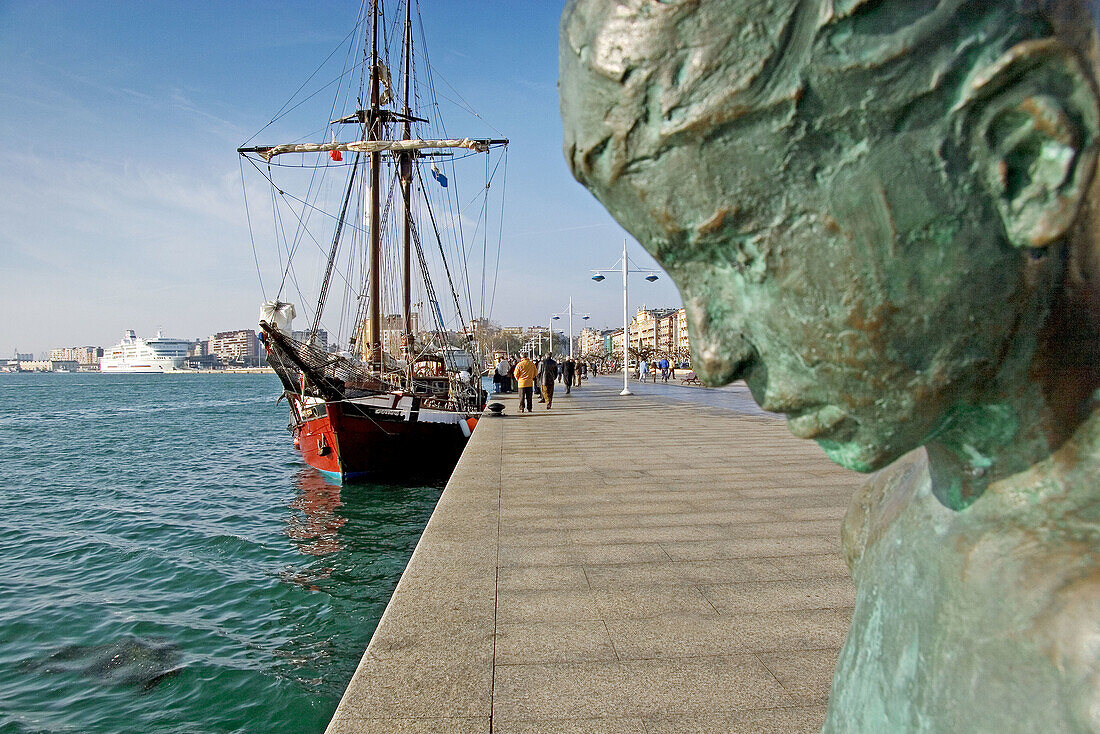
690,66
908,26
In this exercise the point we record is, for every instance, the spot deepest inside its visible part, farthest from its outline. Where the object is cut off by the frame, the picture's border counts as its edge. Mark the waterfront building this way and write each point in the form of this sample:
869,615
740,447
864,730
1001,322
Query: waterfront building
660,332
84,356
651,332
203,362
235,346
392,328
613,342
321,340
590,342
514,332
683,341
477,325
49,365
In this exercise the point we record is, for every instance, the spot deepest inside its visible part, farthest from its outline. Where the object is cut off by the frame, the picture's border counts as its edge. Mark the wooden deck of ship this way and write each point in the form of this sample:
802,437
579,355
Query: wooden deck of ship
667,562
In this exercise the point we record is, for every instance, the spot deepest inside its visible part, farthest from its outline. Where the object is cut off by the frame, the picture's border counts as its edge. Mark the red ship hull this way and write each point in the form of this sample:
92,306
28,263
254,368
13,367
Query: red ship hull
348,447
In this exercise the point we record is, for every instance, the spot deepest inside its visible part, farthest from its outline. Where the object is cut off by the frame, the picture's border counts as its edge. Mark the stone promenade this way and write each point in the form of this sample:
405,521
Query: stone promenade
617,564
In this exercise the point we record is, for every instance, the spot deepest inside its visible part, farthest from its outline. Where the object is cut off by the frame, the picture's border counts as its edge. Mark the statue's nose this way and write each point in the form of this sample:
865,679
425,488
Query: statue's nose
720,353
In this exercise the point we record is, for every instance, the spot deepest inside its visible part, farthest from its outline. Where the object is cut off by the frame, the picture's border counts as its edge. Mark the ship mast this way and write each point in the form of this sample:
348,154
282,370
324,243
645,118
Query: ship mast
371,143
374,121
405,167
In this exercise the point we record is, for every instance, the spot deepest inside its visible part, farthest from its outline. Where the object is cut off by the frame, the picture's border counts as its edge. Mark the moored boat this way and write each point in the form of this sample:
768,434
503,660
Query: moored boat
387,399
134,354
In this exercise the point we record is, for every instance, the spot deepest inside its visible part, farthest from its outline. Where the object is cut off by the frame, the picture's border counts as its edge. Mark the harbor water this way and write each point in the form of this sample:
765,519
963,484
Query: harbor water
171,564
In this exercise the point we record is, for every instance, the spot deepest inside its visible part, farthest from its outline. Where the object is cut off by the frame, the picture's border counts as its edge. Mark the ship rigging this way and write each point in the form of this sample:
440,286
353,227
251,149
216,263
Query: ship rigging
394,399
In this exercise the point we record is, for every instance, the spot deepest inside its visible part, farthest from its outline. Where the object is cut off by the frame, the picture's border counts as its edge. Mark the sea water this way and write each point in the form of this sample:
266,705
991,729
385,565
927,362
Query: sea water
169,564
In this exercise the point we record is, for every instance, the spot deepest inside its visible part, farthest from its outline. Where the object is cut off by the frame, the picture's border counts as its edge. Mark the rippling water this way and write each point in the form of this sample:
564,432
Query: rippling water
170,564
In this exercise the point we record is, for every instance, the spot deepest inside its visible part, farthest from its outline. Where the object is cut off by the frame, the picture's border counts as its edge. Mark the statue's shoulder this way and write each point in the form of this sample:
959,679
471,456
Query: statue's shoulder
1065,629
1037,538
880,501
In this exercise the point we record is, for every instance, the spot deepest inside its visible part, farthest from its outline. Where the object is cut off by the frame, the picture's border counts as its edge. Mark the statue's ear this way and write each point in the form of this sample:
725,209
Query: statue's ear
1033,119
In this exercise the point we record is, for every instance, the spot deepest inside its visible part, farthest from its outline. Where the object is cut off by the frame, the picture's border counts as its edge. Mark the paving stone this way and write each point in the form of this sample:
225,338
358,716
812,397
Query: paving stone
637,688
547,605
684,636
751,547
807,675
793,720
553,642
763,596
541,577
570,726
652,601
389,725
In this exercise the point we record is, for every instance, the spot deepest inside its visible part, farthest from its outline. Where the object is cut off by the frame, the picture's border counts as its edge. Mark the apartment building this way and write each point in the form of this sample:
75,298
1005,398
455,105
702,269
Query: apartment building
84,356
235,346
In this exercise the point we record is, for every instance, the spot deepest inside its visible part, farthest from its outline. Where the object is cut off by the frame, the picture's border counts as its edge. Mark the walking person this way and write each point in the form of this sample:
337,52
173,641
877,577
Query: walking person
568,372
538,378
508,382
525,378
643,371
549,371
502,375
663,364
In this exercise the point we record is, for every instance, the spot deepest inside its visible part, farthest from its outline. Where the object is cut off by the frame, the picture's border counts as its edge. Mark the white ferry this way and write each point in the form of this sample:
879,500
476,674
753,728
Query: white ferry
133,354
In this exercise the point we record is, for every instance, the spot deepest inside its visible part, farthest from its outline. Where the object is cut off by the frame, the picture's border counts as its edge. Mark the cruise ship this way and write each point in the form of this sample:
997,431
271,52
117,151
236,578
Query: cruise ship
133,354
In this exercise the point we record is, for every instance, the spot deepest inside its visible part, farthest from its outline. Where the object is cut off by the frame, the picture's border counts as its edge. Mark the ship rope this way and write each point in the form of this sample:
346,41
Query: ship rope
251,235
332,254
442,253
276,193
500,235
286,109
452,207
346,261
361,295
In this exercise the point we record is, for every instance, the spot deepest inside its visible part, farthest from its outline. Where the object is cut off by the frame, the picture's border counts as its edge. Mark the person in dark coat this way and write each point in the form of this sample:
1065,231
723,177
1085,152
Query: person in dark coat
568,371
548,372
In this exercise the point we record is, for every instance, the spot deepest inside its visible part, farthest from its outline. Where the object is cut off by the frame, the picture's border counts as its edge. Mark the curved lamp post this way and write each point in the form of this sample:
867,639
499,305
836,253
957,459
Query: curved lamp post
570,312
598,277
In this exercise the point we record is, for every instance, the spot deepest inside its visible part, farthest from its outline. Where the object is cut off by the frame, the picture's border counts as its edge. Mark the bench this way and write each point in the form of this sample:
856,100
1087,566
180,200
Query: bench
690,379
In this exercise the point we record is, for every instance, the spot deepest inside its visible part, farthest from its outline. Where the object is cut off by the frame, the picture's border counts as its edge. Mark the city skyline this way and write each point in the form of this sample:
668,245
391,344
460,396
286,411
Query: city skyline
579,328
122,203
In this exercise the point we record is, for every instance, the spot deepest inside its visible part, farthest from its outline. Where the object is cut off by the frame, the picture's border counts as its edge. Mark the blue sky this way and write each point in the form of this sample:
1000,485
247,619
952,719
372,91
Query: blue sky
120,188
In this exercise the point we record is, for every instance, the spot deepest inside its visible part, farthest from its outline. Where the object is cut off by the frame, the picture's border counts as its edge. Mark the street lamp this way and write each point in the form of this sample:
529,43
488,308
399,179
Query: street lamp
598,277
570,312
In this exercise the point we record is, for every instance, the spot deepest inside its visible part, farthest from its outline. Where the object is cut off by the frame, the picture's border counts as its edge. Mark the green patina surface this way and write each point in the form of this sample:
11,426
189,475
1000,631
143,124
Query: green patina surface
874,211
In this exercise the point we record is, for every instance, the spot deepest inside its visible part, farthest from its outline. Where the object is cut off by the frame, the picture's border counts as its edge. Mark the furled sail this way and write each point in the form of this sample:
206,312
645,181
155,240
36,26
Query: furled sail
374,146
279,314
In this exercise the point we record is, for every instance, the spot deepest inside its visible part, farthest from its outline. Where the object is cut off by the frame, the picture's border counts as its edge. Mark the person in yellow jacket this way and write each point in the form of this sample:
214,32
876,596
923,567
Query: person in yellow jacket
525,380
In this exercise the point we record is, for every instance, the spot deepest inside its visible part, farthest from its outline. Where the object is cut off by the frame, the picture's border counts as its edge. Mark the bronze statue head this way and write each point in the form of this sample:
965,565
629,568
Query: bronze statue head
880,214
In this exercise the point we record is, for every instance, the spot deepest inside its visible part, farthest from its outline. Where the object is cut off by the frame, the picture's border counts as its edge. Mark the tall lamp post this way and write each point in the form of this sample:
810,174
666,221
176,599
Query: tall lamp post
570,312
599,276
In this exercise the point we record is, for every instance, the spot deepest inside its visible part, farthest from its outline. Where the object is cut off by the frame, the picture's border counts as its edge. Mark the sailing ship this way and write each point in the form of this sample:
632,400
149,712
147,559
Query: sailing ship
392,400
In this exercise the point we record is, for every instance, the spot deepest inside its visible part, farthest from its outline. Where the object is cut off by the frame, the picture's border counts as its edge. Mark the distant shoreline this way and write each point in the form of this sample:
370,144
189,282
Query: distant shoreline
242,371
